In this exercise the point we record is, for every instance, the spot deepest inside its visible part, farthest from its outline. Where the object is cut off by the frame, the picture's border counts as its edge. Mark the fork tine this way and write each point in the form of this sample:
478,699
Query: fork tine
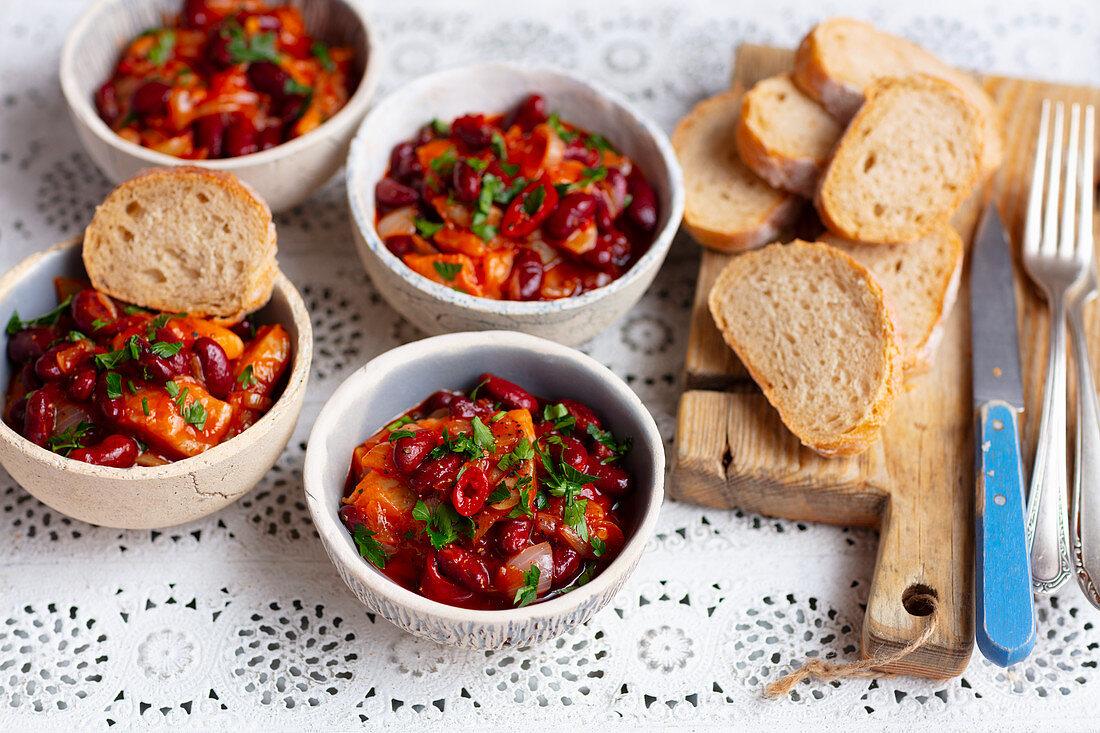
1033,226
1049,244
1067,241
1084,239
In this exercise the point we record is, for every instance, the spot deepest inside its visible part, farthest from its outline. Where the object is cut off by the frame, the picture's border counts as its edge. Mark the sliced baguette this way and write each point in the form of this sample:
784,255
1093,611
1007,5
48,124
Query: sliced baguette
784,136
814,329
905,163
922,280
727,206
183,239
840,58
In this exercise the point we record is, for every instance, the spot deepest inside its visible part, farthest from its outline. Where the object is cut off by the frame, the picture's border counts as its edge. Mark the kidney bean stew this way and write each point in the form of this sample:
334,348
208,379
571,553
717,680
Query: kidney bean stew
116,385
227,78
489,499
520,206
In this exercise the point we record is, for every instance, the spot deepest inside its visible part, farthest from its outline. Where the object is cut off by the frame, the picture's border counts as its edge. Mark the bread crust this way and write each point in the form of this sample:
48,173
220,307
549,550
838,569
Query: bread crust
832,216
866,431
255,293
771,225
840,99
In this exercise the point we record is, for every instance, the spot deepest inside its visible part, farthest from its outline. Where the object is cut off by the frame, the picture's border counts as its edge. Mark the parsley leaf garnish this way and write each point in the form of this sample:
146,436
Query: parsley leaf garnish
399,434
560,415
500,149
529,592
555,124
68,440
447,270
441,128
573,515
320,52
522,452
291,86
444,163
165,350
440,523
477,164
166,41
598,142
15,325
246,378
114,385
403,420
195,414
425,228
509,168
619,447
171,388
483,436
258,48
145,406
369,547
523,506
532,202
500,493
599,547
75,336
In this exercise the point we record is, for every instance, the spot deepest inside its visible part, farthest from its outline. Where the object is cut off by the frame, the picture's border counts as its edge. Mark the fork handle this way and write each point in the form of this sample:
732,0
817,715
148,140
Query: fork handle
1047,513
1085,522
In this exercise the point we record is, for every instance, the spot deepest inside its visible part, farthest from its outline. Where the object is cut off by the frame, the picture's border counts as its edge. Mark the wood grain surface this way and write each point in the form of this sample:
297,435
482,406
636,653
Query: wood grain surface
916,485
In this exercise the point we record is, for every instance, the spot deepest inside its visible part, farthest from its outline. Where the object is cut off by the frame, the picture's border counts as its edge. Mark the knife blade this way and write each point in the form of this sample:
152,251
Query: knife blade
1005,629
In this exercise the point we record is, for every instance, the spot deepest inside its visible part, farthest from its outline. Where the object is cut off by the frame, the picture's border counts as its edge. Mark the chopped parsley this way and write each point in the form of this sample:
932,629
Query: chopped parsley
114,385
75,336
159,53
491,187
165,350
619,447
555,124
500,493
425,228
145,406
130,350
522,452
483,437
195,414
599,547
447,270
399,434
532,202
444,164
477,164
440,523
463,445
560,415
403,420
292,86
523,506
156,324
475,390
246,378
69,439
133,310
320,52
369,547
529,592
181,399
509,168
131,386
573,515
497,416
441,128
598,142
257,48
171,388
499,147
15,325
591,175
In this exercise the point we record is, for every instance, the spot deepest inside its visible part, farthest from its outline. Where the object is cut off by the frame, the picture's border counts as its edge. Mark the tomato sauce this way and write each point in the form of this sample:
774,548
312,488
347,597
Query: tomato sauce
489,499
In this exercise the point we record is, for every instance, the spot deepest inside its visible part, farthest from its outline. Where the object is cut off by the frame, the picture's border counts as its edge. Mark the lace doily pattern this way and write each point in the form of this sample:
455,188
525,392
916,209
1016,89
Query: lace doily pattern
239,621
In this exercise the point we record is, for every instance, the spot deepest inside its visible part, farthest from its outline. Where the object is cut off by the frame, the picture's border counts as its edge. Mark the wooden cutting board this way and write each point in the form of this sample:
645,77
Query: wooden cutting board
916,485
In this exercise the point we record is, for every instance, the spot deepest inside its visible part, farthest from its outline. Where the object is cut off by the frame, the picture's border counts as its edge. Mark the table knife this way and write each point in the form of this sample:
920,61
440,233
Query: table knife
1005,614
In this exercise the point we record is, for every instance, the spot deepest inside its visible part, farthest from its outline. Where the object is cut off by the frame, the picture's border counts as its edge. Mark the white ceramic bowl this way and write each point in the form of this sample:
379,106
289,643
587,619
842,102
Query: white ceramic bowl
491,89
400,379
284,175
160,496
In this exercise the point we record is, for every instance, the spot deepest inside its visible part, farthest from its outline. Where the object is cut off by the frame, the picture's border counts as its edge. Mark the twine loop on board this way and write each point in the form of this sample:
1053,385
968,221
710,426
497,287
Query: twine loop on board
826,671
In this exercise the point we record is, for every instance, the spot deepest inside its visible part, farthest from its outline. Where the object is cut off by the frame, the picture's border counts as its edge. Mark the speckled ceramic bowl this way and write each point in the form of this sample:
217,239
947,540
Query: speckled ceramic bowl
284,175
492,88
400,379
148,497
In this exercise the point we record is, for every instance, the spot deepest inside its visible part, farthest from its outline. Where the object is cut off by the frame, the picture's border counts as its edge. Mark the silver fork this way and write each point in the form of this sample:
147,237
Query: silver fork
1085,511
1052,259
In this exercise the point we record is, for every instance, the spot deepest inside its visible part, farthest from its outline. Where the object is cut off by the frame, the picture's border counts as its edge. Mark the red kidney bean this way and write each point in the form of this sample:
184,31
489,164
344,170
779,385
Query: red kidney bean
155,368
269,137
528,113
80,385
525,281
511,395
404,165
575,149
240,138
27,345
117,451
90,307
582,416
217,49
566,562
29,377
436,587
151,99
470,491
196,14
409,452
18,411
613,480
209,132
268,78
643,206
436,474
464,568
400,244
467,182
574,210
391,194
439,400
472,131
245,328
46,367
215,366
612,248
514,534
572,452
351,516
38,424
463,407
106,102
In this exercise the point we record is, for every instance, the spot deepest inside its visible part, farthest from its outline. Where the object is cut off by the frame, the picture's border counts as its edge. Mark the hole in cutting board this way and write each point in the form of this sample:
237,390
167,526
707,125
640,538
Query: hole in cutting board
919,599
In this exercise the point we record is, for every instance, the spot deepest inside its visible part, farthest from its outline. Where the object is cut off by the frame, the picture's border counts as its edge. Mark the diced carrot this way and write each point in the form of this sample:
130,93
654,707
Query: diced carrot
464,278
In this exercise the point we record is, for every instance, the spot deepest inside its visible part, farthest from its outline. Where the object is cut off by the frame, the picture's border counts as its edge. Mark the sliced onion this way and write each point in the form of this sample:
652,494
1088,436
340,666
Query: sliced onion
254,401
541,556
150,459
68,415
398,221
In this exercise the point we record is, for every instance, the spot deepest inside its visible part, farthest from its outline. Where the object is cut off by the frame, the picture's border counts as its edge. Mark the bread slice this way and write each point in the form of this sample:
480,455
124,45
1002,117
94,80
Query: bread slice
814,330
183,239
727,206
840,58
922,280
784,136
905,163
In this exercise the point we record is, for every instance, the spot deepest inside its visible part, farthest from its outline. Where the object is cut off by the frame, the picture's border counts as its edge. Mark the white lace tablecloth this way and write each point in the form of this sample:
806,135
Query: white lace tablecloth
240,622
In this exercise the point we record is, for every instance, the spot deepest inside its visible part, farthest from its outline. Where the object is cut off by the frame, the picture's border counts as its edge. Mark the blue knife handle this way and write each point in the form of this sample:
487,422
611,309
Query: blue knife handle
1005,614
